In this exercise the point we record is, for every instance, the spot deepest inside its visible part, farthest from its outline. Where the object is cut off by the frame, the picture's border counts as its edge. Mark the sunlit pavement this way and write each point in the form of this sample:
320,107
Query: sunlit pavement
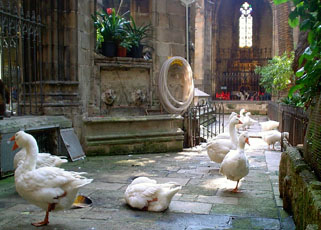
205,201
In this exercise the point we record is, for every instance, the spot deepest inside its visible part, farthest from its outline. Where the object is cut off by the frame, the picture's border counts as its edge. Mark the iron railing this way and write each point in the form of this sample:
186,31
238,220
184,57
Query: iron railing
21,59
292,119
234,83
202,122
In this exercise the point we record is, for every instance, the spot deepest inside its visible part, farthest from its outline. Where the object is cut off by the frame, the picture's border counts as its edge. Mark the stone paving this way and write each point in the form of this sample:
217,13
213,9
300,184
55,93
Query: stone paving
205,201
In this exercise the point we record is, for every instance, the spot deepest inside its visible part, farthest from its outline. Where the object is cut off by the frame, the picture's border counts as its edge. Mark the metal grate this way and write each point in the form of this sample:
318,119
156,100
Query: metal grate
20,58
202,122
312,147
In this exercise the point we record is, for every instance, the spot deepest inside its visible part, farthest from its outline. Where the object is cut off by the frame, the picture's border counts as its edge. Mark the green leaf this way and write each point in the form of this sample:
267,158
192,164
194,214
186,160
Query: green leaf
293,23
294,89
300,72
306,24
277,2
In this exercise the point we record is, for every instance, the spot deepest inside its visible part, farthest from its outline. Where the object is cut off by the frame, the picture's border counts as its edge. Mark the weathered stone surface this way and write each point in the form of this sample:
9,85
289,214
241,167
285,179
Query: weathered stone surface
300,189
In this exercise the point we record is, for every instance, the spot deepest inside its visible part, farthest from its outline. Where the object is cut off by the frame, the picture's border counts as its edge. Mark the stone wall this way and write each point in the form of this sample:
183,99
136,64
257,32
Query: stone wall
300,190
168,19
283,33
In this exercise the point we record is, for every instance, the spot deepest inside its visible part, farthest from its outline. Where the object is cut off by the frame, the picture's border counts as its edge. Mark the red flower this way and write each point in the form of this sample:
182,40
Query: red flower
109,11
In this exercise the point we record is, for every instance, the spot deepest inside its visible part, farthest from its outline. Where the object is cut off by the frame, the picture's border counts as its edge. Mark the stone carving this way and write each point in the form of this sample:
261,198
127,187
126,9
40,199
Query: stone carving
108,97
138,97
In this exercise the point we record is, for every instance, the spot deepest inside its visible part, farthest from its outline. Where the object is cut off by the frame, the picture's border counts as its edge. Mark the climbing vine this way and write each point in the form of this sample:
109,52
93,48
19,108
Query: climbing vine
307,15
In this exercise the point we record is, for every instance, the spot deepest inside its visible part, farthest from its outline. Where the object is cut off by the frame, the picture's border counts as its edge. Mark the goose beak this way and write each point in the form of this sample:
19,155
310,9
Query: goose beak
247,141
15,146
240,122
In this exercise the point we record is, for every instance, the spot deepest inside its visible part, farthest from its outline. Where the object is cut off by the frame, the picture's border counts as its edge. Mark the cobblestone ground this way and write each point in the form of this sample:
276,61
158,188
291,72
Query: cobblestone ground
205,201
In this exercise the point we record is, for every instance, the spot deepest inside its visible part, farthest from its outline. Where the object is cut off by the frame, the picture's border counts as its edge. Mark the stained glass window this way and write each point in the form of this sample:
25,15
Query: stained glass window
245,26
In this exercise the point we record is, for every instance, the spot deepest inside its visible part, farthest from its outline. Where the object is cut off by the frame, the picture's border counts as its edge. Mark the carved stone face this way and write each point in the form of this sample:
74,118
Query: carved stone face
108,97
138,97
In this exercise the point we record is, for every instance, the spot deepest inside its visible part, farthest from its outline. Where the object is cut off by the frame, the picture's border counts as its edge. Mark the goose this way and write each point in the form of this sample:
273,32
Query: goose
242,116
233,114
218,148
49,188
235,165
269,125
43,159
248,121
145,194
273,136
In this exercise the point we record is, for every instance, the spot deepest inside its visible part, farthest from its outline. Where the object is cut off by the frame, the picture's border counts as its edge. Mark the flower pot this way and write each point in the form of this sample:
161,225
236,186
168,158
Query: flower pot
109,49
121,51
137,51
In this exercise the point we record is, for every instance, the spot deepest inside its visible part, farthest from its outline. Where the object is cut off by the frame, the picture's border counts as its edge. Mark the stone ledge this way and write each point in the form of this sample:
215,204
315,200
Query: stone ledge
131,118
300,189
179,132
14,124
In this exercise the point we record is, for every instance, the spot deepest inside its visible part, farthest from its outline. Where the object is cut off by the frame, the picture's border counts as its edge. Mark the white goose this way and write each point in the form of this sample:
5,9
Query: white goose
218,148
43,159
248,121
273,136
144,193
235,165
50,188
242,116
269,125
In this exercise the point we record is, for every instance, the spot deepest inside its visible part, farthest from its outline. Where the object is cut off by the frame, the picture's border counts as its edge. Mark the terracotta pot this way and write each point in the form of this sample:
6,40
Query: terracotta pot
121,51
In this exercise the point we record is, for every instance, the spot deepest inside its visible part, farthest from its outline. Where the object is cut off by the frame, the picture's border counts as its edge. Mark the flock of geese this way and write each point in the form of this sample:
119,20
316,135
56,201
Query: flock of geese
40,181
228,148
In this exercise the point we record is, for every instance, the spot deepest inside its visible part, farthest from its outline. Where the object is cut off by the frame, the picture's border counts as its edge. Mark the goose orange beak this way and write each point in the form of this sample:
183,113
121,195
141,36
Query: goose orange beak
247,141
15,146
240,122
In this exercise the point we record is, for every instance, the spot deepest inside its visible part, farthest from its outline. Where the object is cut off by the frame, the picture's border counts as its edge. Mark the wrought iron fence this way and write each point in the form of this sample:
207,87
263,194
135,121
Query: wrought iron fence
240,86
21,60
202,122
292,119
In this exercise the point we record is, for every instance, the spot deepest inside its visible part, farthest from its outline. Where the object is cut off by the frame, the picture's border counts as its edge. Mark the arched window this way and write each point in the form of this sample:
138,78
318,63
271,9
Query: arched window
245,26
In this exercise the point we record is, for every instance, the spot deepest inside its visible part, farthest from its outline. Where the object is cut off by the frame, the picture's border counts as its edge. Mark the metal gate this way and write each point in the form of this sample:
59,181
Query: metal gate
202,122
20,61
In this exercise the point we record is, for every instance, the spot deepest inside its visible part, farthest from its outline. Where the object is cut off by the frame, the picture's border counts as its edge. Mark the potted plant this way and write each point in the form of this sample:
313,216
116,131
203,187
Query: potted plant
110,29
135,34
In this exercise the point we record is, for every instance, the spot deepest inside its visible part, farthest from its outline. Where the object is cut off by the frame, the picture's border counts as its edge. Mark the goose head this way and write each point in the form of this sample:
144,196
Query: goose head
242,111
235,120
21,139
244,138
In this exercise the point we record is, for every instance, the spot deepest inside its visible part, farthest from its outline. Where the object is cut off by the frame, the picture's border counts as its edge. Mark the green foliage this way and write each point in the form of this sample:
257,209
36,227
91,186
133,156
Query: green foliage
113,27
135,34
109,27
277,74
295,100
307,14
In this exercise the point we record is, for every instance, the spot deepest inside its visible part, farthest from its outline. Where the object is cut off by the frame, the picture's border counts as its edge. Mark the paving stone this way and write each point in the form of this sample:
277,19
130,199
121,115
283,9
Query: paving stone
218,200
255,223
105,186
190,207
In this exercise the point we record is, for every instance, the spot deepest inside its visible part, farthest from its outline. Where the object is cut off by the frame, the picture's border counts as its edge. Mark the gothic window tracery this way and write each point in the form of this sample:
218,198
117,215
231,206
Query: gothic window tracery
245,26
